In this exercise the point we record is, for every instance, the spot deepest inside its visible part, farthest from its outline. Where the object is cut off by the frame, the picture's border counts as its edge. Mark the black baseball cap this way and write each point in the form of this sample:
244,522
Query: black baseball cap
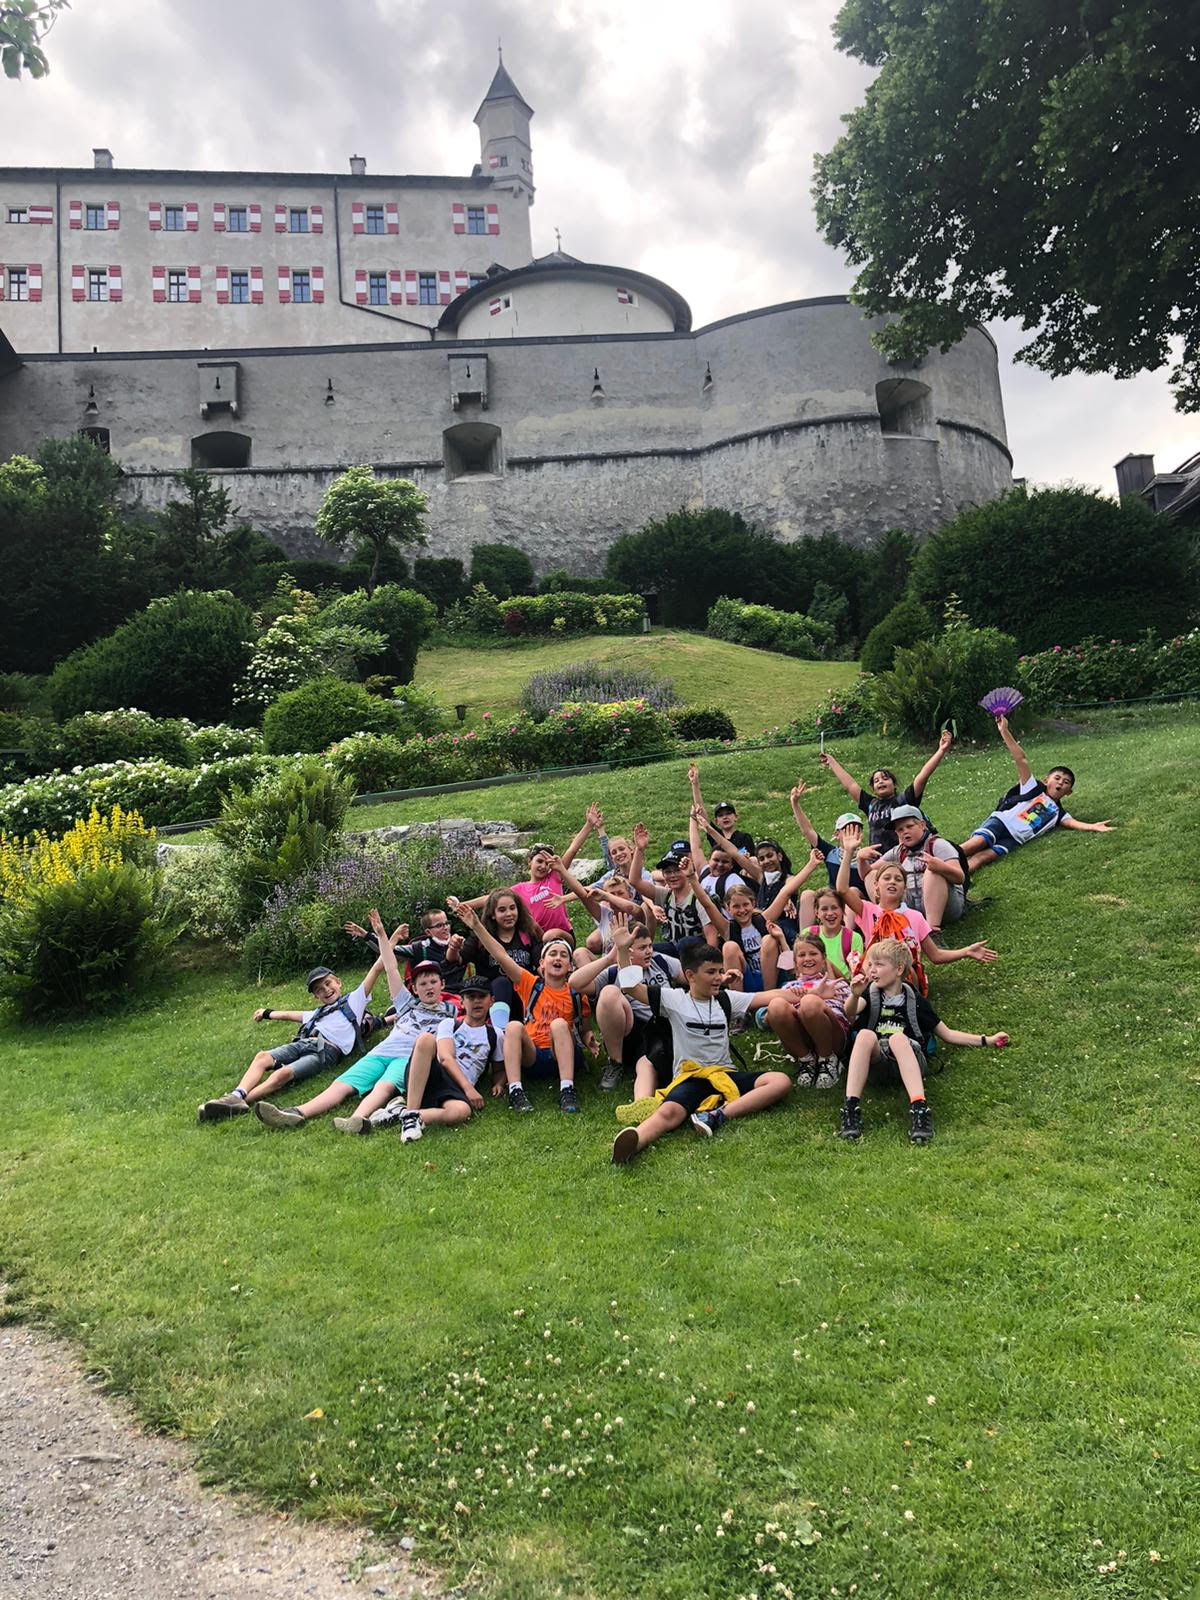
476,986
723,805
670,861
316,975
680,847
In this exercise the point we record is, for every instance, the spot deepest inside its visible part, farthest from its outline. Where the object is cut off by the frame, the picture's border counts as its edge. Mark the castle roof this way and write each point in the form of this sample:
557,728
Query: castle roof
503,88
559,264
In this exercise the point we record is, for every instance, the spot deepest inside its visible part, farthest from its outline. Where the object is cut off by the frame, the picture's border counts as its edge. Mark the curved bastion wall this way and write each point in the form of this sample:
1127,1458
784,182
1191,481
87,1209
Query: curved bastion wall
557,443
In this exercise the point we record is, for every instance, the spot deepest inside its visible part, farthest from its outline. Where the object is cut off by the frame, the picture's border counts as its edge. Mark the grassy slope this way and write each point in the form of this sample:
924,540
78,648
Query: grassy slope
756,687
998,1334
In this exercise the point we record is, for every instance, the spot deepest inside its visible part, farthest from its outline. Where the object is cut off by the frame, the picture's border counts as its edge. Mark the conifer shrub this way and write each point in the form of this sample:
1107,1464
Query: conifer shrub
906,623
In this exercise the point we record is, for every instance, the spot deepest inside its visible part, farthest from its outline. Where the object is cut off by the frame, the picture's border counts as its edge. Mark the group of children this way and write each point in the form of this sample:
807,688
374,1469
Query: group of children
719,934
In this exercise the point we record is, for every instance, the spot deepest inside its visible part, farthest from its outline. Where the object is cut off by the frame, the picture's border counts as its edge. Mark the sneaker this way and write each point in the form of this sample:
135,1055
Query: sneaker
389,1116
279,1116
920,1122
637,1111
518,1100
410,1126
352,1124
708,1122
828,1072
806,1072
625,1147
567,1099
851,1125
610,1078
229,1105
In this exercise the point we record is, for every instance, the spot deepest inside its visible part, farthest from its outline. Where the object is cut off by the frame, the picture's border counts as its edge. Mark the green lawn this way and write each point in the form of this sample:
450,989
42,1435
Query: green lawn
767,1365
756,687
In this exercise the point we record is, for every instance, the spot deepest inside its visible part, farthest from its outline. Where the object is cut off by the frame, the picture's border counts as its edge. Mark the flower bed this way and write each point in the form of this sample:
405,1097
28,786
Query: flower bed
1111,669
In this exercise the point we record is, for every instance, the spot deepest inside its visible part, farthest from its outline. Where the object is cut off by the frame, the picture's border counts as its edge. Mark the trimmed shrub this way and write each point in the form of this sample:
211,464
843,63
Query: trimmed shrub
125,735
545,614
701,722
421,710
560,581
403,617
312,717
181,656
789,633
502,569
595,681
440,579
905,624
1178,665
938,680
1060,564
212,784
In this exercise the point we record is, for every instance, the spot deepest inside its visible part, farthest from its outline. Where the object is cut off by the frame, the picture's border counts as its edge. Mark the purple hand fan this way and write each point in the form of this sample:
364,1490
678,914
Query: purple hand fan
1001,701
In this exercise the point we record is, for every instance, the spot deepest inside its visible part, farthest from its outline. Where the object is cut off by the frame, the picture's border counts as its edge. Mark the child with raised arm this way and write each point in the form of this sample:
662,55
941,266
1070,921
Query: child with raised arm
1031,807
810,1019
893,1025
630,1031
877,802
832,853
725,816
544,1044
690,911
507,918
752,947
706,1089
935,883
328,1034
418,1011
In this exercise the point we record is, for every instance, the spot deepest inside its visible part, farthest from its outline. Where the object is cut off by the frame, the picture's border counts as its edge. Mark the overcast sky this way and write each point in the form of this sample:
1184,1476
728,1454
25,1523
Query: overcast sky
673,137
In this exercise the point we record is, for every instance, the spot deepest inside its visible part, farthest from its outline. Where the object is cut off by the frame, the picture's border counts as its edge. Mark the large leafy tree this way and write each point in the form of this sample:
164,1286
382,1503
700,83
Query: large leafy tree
1028,159
372,514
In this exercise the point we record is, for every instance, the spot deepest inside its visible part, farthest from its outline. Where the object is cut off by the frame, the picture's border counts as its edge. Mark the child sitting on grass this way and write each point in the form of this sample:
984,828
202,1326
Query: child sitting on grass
418,1010
884,793
705,1088
506,917
436,943
328,1034
751,950
544,1044
443,1073
892,1027
1030,808
810,1018
843,945
631,1032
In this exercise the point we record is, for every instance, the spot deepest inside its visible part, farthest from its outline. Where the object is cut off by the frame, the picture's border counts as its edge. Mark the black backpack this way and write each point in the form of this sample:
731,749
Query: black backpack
308,1030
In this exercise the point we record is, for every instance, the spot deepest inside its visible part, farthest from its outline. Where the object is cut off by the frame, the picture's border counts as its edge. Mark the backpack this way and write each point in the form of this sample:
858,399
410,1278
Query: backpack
653,1000
814,932
757,921
889,926
308,1030
870,1017
957,848
535,994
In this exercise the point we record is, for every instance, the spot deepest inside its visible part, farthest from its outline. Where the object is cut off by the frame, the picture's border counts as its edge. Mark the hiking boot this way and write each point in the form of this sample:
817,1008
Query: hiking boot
232,1104
827,1073
625,1147
708,1122
352,1124
920,1122
610,1078
410,1126
851,1125
637,1111
567,1098
279,1116
518,1100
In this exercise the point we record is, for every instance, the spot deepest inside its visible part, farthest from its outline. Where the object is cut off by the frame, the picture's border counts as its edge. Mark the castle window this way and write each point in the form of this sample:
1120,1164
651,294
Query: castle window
223,449
374,216
301,288
502,162
95,218
18,283
905,409
472,450
427,289
476,219
377,289
97,283
298,219
177,285
173,219
239,288
18,214
236,220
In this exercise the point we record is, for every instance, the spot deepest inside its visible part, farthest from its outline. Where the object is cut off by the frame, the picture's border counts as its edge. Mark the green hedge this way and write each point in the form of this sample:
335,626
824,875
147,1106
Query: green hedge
788,633
544,615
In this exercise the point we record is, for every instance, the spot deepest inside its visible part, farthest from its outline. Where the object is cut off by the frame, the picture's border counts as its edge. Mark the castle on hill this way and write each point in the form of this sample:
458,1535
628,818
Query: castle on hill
277,327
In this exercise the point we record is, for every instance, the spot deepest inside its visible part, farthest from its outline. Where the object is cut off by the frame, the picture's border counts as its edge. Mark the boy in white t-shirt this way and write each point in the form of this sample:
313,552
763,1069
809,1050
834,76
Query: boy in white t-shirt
1030,808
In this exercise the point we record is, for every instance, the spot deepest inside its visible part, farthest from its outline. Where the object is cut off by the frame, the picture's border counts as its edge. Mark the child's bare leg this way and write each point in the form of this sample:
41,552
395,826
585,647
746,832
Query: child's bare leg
386,1089
453,1111
808,907
735,961
263,1062
615,1016
327,1099
594,942
935,891
580,957
562,1042
770,961
645,1079
518,1051
769,1087
978,852
864,1052
669,1115
419,1066
817,1021
279,1079
785,1021
904,1053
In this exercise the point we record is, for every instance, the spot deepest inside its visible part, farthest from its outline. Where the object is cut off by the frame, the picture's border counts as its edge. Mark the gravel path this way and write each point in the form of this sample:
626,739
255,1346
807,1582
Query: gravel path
91,1508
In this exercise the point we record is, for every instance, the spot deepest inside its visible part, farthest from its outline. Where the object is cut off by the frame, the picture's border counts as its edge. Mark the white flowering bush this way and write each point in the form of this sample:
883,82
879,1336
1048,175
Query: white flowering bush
298,647
217,742
199,886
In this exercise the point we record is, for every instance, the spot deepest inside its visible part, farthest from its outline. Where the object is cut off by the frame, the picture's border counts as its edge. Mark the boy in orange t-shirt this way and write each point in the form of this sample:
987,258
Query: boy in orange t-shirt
544,1044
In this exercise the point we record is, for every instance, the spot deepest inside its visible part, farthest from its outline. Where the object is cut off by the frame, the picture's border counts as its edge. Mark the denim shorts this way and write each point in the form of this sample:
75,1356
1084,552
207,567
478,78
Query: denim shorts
997,835
545,1063
306,1057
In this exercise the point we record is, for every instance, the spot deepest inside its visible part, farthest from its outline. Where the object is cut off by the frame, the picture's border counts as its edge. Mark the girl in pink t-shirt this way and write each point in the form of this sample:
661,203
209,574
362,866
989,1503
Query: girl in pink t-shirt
543,892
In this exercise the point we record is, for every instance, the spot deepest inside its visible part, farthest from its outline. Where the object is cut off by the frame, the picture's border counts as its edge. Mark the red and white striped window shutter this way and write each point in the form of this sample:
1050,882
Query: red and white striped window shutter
493,219
75,213
158,282
191,215
396,286
112,215
41,213
316,219
281,219
410,288
493,308
256,286
35,280
360,286
285,285
255,218
1,280
358,217
392,216
222,286
114,283
462,281
318,285
493,161
219,216
154,212
458,215
194,284
444,295
78,283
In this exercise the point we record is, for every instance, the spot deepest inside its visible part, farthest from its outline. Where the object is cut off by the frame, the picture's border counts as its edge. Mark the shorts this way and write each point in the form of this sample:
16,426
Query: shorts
369,1070
752,982
441,1087
306,1057
650,1039
997,835
691,1093
545,1063
956,902
889,1067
